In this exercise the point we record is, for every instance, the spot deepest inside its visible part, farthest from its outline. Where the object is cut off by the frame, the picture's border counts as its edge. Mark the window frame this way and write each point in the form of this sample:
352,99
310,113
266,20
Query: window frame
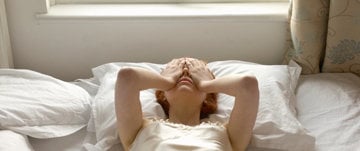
155,1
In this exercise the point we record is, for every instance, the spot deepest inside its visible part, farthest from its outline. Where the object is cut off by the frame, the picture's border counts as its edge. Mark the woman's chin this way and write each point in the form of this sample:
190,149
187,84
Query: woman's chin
186,86
186,89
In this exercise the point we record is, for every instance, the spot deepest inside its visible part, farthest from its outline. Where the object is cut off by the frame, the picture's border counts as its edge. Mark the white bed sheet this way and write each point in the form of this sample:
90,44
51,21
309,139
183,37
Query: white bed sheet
12,141
328,105
73,142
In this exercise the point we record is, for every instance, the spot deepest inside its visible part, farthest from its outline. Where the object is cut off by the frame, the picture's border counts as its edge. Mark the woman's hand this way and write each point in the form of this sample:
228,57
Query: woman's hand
198,71
174,69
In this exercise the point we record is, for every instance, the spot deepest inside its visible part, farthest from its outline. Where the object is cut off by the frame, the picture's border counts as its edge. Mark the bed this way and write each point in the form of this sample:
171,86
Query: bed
309,102
297,112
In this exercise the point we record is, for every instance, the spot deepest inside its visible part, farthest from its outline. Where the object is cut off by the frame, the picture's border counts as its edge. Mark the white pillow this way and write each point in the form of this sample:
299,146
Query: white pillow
276,126
103,120
41,106
11,141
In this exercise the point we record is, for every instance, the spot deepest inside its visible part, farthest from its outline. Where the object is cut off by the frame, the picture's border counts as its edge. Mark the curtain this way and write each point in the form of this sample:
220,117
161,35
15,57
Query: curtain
324,35
6,60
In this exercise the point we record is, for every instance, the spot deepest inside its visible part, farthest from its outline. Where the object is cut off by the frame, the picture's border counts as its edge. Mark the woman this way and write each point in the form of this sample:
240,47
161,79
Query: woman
186,82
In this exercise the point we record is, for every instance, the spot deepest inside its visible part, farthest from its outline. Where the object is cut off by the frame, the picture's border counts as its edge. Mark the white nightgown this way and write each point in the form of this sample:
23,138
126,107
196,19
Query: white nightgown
161,135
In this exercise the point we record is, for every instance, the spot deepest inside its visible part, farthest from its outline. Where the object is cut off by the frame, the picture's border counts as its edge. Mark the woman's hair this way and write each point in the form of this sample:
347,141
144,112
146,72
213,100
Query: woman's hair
209,105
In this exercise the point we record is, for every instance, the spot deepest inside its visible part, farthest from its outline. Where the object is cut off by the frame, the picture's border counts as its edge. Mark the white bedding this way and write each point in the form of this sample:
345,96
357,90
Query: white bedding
41,106
276,126
12,141
327,106
73,142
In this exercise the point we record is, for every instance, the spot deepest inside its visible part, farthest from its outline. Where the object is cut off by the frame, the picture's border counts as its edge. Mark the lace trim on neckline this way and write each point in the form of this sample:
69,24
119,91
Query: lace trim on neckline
203,123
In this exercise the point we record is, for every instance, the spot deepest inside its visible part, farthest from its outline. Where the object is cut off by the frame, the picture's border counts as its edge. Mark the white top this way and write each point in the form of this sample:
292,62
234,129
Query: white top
160,135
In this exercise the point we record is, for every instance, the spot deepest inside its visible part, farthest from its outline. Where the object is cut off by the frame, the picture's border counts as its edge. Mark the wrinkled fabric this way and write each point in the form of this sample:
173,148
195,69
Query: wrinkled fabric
159,135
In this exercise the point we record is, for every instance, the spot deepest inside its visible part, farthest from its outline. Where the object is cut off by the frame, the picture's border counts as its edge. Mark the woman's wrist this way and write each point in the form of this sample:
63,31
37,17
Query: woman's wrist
169,83
205,86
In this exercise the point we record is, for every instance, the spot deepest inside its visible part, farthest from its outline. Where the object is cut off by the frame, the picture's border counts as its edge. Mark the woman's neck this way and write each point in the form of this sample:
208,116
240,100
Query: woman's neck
185,115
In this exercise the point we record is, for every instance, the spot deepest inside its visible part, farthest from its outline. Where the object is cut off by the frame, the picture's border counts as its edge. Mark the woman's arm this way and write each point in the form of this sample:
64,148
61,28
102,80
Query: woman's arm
246,92
130,82
243,116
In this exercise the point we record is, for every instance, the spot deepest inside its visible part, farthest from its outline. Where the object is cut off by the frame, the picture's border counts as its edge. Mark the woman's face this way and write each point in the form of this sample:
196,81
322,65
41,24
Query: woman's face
186,87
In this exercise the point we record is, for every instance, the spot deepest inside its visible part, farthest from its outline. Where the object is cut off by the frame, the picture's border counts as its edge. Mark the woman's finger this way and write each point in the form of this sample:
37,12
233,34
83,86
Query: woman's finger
182,63
190,61
196,63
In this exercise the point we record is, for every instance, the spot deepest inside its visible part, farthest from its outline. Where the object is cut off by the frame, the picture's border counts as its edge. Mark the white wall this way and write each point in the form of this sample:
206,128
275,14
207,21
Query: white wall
68,49
5,46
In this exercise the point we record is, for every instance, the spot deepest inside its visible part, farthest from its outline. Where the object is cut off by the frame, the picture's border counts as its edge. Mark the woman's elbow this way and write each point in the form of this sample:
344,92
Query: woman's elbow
249,88
250,83
126,75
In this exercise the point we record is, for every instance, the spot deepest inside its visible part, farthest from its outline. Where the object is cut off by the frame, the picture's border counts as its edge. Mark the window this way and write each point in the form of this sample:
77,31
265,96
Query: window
213,9
157,1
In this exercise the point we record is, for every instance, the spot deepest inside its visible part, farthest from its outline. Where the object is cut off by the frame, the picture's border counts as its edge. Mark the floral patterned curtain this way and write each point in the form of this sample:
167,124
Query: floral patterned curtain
325,35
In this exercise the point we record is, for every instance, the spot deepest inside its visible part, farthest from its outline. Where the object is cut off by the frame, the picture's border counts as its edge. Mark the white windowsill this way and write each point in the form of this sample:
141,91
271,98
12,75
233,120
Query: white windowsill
276,11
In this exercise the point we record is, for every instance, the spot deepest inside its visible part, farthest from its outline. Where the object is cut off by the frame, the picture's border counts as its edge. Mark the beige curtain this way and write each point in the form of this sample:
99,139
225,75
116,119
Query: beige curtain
342,52
6,60
325,35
